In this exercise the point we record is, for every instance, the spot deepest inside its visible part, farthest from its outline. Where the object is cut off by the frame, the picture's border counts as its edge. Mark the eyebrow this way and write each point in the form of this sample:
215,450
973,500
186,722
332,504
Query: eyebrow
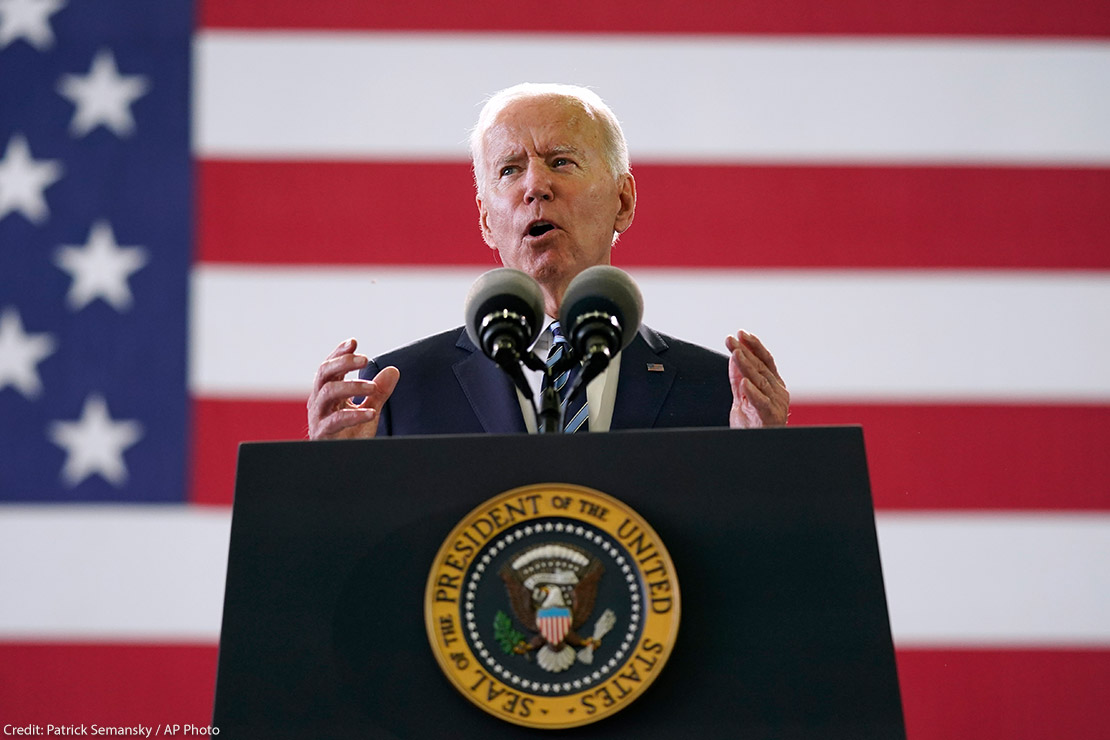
516,156
564,149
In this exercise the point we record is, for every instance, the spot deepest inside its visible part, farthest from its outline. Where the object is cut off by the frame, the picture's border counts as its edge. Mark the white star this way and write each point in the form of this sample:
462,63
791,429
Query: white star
20,353
22,180
100,269
29,20
103,97
95,443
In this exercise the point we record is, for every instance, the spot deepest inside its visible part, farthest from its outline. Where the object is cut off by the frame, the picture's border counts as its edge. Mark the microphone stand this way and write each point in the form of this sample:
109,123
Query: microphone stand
549,416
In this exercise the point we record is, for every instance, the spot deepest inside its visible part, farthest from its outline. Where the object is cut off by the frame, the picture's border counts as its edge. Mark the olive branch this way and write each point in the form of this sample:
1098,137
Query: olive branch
504,633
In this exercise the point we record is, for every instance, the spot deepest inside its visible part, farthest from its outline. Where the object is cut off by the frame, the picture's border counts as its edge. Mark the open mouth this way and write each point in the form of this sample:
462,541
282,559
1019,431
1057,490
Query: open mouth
539,228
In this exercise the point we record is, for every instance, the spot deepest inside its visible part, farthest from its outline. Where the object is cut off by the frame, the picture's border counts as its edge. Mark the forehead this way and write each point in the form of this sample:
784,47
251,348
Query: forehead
541,125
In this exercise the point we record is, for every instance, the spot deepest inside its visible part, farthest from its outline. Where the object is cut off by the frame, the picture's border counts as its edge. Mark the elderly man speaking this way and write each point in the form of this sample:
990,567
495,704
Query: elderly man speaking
555,190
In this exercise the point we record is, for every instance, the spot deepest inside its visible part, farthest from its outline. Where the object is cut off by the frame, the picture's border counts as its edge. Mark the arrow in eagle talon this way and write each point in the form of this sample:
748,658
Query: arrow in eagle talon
602,626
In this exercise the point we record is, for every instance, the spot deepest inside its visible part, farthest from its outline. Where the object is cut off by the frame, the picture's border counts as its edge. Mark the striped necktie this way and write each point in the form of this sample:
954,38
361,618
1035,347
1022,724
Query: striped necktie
576,415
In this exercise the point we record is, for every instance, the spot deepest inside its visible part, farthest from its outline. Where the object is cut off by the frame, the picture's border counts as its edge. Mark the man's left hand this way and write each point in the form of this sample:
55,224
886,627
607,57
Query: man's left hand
759,396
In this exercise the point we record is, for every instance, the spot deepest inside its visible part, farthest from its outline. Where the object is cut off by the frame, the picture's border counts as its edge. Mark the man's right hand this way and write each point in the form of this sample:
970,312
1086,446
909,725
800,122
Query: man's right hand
331,412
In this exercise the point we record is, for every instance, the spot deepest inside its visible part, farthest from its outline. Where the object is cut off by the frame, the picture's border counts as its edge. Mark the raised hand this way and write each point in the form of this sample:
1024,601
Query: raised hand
759,395
332,414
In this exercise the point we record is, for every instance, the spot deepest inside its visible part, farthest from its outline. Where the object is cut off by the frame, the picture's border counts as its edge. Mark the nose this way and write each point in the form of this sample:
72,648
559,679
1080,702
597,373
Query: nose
537,182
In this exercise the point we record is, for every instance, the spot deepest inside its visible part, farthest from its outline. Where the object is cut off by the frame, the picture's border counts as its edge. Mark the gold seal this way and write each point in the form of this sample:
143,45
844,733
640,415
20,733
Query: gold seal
552,606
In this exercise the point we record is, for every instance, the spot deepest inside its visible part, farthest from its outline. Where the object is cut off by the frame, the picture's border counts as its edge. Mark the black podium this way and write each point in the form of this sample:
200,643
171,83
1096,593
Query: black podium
784,628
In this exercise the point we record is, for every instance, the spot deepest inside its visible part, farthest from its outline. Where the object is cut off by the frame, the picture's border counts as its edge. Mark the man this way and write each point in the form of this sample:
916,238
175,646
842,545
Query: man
554,192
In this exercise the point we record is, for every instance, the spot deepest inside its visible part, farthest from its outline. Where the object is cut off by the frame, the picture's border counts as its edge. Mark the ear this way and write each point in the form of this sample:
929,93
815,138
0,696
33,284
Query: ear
627,196
483,222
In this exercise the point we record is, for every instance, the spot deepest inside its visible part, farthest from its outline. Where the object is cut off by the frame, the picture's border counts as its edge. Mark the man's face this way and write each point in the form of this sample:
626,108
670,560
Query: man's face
549,202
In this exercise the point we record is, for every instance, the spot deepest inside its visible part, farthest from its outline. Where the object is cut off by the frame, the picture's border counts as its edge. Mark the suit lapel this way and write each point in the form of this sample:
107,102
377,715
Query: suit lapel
489,391
642,387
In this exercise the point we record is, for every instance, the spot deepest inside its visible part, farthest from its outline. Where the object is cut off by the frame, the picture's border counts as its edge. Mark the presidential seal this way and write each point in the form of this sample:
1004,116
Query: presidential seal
552,606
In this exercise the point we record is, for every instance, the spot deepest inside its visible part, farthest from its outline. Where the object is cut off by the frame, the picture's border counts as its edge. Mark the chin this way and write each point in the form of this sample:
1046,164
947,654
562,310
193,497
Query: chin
553,273
545,265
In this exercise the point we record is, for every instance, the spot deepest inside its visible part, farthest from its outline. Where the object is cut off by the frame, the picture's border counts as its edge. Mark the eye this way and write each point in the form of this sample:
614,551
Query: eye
561,161
506,170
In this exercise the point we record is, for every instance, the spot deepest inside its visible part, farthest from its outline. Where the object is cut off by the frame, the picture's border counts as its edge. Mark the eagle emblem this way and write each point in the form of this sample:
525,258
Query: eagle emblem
552,588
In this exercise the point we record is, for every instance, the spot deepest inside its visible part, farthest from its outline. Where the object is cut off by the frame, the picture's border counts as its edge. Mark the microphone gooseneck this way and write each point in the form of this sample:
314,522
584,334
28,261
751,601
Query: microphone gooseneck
503,310
601,314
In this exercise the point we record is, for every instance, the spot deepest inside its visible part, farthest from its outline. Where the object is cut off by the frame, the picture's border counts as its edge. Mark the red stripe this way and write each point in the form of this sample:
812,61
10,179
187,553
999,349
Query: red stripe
977,17
106,684
219,425
737,216
981,694
1004,694
960,457
979,456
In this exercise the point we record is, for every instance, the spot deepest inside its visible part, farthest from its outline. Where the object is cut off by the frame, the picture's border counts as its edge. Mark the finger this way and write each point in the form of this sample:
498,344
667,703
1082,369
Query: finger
380,388
383,385
771,408
755,395
770,400
752,367
341,420
333,398
752,342
759,376
336,368
343,348
736,362
346,347
338,391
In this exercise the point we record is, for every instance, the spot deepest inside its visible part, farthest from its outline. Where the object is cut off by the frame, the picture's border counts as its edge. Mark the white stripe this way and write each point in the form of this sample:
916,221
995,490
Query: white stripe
705,98
579,419
110,572
1017,579
836,335
157,573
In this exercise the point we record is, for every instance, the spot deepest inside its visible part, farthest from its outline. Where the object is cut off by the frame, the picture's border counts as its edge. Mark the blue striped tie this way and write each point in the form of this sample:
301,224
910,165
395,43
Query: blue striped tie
577,413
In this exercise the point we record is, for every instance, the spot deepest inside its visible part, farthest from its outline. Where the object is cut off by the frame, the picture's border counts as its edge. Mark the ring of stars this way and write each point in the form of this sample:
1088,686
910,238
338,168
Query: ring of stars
594,541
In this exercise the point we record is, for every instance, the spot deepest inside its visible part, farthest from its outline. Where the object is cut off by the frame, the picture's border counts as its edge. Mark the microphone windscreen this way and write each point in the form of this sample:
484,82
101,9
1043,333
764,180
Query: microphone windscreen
610,290
504,289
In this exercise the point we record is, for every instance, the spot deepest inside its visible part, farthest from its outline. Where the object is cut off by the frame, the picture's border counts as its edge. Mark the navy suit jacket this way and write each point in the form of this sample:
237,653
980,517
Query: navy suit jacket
448,386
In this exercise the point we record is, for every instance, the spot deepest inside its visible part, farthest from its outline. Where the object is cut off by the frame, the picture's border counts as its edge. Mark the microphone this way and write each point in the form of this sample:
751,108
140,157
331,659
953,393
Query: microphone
600,314
503,316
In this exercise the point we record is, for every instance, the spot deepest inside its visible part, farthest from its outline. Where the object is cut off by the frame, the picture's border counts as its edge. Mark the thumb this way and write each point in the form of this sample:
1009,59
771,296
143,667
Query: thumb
386,382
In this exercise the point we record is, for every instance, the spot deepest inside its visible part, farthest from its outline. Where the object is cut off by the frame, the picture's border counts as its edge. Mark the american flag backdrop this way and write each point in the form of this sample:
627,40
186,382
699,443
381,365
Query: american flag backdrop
909,203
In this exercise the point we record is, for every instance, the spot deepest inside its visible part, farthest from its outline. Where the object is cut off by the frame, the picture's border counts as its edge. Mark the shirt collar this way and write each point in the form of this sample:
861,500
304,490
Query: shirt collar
543,341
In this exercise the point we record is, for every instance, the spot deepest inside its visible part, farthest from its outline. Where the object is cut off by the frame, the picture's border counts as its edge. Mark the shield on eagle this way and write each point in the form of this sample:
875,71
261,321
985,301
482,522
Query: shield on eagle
554,622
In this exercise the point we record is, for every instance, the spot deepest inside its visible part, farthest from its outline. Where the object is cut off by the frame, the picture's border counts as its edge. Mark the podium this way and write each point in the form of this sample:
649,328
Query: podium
784,629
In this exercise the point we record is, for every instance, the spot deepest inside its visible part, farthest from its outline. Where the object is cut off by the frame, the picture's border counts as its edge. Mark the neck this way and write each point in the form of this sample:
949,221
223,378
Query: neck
552,299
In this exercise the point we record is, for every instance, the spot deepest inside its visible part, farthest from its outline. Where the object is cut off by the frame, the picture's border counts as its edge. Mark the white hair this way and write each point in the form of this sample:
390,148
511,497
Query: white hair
614,146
